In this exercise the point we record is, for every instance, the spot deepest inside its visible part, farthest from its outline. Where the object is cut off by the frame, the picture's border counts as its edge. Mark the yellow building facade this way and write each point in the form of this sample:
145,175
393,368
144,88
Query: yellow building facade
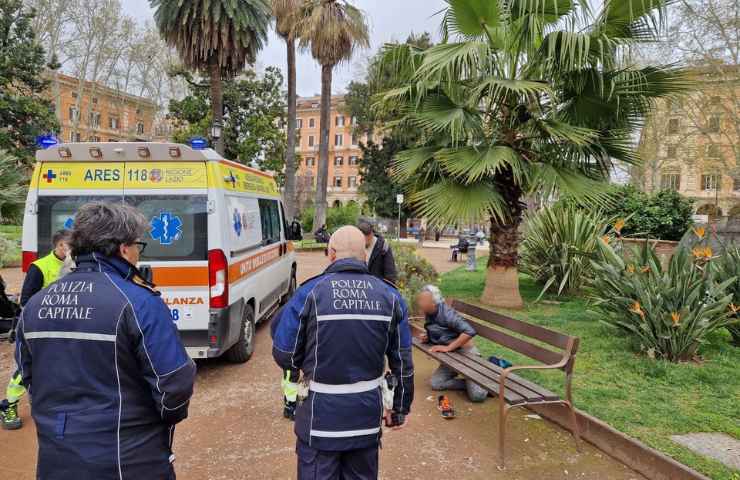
692,145
344,152
91,112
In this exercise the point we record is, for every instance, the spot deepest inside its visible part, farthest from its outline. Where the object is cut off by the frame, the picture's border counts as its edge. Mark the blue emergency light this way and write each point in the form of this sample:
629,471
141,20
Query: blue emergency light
198,143
46,141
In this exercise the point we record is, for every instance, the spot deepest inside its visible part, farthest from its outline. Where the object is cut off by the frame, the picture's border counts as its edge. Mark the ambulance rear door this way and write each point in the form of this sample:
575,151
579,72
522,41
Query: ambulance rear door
173,196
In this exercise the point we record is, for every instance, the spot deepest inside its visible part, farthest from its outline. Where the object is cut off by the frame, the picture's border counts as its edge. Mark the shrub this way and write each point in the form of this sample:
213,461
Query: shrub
10,252
413,272
665,215
559,244
668,311
728,267
335,217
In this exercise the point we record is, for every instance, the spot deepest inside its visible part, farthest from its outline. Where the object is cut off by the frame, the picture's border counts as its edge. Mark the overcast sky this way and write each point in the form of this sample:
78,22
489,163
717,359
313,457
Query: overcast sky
388,19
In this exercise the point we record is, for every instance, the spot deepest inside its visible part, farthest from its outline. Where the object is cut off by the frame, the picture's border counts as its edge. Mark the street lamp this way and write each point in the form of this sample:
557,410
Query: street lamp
216,130
399,201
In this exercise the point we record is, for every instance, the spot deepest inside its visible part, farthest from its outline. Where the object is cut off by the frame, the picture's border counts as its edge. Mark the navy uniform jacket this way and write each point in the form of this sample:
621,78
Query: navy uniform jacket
338,329
107,373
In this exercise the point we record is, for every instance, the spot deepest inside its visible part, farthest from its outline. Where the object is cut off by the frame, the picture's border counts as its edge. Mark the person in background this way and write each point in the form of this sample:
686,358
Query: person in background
41,273
380,261
447,331
462,247
321,235
481,236
340,341
106,371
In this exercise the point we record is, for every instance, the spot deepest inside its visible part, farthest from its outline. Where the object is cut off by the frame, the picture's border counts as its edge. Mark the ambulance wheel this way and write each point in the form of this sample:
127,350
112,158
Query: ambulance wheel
244,347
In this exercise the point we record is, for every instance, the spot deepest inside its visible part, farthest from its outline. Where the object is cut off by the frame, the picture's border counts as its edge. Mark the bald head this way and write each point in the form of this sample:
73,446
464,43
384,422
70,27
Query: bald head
347,242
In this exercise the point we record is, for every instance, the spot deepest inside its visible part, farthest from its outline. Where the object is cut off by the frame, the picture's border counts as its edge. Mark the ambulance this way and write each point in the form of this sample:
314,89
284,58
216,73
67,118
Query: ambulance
218,244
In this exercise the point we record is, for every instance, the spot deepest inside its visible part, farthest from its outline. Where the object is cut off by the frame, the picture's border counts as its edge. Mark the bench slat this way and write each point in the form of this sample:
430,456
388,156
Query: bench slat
522,383
454,362
531,350
527,394
542,334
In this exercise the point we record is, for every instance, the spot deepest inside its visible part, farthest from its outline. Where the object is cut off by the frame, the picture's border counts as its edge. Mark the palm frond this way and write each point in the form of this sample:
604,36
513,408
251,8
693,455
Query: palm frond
472,202
472,164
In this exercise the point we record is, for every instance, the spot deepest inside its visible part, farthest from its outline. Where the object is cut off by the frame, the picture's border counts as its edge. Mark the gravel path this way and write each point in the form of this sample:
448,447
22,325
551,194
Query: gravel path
236,431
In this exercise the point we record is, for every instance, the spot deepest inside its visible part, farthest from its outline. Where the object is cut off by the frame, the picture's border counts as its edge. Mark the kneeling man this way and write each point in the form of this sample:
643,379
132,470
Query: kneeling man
448,331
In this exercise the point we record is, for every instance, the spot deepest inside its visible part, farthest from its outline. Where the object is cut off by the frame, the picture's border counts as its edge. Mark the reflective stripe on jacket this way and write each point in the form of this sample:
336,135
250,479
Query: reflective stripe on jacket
338,329
107,374
50,267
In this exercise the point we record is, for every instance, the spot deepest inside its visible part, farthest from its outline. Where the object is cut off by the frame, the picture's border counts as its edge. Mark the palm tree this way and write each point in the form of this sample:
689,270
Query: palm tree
332,31
286,14
523,97
214,36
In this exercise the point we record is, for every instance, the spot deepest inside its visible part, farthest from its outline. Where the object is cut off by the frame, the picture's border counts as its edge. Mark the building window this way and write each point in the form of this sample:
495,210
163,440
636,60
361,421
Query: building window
736,184
671,151
95,100
339,121
713,151
670,181
138,111
112,140
338,182
311,123
94,120
355,139
310,162
74,94
140,128
299,123
74,137
354,120
338,140
709,182
94,138
352,182
338,161
311,141
74,114
353,160
673,125
715,100
674,105
113,123
714,124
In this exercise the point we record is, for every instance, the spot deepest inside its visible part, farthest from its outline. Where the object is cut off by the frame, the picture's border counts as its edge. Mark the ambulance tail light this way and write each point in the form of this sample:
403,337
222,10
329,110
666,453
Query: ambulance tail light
27,259
218,278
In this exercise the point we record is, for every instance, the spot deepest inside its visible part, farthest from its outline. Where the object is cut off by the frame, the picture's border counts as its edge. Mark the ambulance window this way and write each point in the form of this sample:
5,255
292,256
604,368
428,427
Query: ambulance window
270,219
177,226
56,213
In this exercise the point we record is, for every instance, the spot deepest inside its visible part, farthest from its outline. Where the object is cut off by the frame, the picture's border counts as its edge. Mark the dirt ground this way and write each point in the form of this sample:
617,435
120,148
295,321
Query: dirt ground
236,431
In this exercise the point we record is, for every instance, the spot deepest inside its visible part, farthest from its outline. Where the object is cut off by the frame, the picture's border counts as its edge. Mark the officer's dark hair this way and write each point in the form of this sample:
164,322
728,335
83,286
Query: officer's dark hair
62,235
103,227
365,227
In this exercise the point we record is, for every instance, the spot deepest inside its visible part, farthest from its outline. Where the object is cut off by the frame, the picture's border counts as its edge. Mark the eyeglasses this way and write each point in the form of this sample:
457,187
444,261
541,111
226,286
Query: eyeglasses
141,245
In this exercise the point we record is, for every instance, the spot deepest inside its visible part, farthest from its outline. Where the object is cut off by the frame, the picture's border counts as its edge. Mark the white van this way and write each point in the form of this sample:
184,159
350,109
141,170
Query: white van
218,245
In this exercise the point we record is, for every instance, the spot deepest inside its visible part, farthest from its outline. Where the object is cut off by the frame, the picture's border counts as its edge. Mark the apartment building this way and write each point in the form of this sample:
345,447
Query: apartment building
692,144
91,112
344,152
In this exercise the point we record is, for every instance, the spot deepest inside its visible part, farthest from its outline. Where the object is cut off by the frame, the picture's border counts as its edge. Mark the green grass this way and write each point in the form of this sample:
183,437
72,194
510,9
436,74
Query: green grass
646,399
10,252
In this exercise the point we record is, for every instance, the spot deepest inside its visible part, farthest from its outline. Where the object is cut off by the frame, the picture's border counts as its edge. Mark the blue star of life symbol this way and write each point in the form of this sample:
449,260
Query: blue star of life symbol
166,228
237,223
69,223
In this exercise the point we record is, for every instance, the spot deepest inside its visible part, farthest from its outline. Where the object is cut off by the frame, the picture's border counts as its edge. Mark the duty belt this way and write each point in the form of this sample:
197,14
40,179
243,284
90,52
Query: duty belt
357,387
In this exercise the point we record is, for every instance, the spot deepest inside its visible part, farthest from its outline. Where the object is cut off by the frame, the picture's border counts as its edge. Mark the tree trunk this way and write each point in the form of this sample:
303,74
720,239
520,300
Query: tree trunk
290,164
502,276
322,177
217,101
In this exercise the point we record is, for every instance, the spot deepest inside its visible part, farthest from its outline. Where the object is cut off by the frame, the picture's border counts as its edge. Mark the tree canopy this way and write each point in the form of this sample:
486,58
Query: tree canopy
254,112
25,112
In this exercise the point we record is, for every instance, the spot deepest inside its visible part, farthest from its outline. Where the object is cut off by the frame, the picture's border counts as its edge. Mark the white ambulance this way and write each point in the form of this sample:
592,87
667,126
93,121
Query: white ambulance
218,244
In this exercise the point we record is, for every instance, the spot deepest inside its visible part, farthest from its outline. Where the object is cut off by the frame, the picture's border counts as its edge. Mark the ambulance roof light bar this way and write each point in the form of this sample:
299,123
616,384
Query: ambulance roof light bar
46,141
198,143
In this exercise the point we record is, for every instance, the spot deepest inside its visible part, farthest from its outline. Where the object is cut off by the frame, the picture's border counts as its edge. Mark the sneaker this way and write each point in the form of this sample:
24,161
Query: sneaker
289,410
445,406
9,417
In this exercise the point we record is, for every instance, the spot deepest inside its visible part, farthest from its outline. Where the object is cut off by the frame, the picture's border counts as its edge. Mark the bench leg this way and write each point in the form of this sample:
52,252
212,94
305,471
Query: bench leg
575,428
503,412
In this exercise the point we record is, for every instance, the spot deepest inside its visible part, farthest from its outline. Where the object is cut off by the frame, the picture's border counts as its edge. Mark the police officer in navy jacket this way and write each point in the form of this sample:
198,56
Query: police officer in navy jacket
338,330
100,355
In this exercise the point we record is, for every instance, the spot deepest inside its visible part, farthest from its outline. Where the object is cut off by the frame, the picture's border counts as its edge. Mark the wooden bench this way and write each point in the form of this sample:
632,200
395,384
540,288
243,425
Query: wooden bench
518,336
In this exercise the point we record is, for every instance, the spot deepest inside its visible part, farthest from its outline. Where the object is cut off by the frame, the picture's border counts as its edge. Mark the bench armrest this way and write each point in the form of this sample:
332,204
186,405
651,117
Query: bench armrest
556,366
